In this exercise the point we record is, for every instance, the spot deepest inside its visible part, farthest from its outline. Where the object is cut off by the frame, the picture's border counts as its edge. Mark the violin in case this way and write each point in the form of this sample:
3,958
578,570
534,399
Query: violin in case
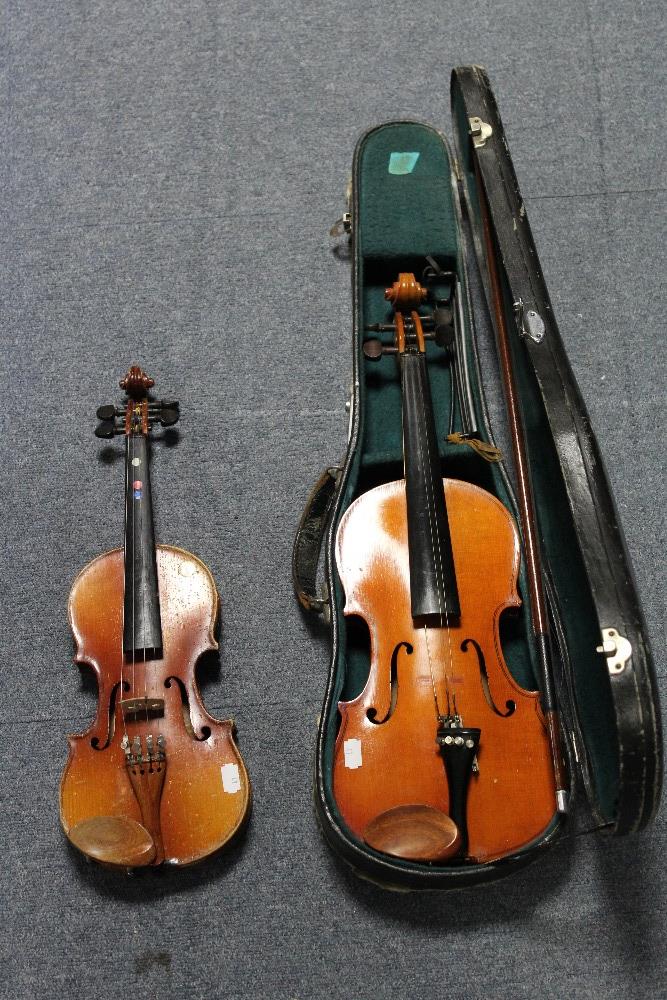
491,688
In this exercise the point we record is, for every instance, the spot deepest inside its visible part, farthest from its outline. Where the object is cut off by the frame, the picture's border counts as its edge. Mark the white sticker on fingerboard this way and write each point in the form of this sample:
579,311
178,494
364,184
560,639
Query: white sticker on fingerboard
231,779
352,751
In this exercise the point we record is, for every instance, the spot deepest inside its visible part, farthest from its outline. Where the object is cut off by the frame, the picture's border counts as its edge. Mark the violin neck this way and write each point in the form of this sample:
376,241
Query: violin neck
142,630
433,589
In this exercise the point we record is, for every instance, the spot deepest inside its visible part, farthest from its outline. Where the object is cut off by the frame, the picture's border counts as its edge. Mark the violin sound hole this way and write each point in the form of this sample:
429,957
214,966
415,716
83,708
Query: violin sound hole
185,705
95,742
371,713
509,704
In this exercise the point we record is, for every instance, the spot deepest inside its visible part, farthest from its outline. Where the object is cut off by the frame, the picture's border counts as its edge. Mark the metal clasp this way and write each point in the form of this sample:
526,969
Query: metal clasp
529,322
342,225
480,131
616,648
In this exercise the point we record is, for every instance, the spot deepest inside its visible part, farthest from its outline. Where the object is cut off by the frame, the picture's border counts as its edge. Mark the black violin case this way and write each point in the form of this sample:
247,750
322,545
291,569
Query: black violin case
402,209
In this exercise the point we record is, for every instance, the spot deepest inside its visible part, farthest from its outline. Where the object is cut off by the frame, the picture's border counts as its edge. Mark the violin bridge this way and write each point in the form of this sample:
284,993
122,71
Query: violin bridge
142,708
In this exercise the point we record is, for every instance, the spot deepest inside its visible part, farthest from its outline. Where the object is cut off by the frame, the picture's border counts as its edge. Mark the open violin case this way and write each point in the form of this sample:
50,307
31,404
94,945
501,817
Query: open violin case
411,199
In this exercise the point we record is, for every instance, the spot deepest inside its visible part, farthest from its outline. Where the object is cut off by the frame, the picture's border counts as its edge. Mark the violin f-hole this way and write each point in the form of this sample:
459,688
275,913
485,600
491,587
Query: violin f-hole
484,677
95,742
371,713
205,731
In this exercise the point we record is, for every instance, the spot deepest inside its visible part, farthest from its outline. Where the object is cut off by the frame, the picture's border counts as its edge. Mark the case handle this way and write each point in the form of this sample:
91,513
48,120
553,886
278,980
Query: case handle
308,541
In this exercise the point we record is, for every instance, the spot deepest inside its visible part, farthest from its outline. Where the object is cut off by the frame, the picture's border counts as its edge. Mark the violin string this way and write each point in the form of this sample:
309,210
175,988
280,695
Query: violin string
450,653
430,668
437,550
428,651
122,644
134,560
144,487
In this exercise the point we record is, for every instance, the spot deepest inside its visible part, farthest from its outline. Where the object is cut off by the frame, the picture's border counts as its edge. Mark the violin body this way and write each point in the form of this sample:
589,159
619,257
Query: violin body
155,779
386,754
196,815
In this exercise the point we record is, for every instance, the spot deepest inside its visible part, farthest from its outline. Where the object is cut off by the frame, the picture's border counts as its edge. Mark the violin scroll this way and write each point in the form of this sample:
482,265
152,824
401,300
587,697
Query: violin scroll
136,383
406,293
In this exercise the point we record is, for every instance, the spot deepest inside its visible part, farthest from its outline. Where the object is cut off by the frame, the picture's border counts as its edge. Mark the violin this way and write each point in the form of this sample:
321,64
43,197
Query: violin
155,779
442,756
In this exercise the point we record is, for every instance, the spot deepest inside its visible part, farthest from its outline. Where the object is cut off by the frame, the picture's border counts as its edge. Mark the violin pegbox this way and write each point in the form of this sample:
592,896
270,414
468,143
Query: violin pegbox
138,413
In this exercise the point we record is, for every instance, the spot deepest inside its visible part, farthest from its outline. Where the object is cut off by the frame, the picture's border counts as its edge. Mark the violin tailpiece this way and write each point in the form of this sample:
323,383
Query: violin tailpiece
458,748
146,769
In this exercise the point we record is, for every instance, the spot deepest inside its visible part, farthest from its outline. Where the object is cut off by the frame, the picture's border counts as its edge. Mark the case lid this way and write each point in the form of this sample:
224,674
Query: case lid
612,673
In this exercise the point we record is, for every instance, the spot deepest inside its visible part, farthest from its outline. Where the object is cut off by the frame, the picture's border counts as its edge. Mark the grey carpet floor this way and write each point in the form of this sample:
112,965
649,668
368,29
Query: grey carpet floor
169,174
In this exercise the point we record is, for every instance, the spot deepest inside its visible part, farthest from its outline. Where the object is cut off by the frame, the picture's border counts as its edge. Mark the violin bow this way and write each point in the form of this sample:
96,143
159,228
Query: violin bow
527,515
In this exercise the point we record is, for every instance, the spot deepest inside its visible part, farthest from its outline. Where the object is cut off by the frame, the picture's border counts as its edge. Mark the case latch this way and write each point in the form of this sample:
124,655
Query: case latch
342,225
616,648
529,322
480,131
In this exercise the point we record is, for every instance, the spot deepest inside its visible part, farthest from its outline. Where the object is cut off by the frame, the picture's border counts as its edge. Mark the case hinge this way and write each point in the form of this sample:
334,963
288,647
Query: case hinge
480,131
529,322
616,648
342,225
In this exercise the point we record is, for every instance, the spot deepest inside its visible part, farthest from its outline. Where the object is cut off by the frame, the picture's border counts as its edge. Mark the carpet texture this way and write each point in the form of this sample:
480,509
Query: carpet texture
169,174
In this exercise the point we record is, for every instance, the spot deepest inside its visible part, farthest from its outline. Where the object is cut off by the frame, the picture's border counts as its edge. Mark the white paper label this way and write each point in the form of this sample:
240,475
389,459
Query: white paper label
231,779
352,751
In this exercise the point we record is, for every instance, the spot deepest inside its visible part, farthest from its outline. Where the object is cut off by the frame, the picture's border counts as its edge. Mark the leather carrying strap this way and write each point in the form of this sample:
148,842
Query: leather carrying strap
308,541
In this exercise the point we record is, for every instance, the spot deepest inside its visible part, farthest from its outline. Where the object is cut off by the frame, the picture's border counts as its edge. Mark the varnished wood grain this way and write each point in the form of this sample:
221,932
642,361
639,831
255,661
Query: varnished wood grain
197,815
114,841
415,833
512,799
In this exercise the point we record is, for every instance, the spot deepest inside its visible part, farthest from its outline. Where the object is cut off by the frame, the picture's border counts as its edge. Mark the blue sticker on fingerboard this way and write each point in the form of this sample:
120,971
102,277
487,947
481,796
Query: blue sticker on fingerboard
402,163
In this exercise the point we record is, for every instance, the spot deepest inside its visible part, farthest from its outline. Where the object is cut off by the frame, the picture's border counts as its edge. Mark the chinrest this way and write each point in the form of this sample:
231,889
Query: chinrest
114,840
414,833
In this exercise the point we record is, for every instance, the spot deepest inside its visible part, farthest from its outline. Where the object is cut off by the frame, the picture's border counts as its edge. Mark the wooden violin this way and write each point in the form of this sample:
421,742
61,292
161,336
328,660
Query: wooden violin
442,755
155,778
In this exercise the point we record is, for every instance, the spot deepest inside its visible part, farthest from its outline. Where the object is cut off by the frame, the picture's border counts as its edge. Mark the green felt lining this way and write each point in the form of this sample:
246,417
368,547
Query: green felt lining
405,215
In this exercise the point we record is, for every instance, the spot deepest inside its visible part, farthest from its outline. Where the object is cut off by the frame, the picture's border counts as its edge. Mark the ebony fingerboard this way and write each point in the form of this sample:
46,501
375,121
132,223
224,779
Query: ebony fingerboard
433,589
142,630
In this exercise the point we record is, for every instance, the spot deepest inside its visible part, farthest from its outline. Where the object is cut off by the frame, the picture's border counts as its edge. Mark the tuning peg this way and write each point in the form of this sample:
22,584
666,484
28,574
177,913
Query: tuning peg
380,328
169,415
106,428
374,349
158,404
106,412
443,329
